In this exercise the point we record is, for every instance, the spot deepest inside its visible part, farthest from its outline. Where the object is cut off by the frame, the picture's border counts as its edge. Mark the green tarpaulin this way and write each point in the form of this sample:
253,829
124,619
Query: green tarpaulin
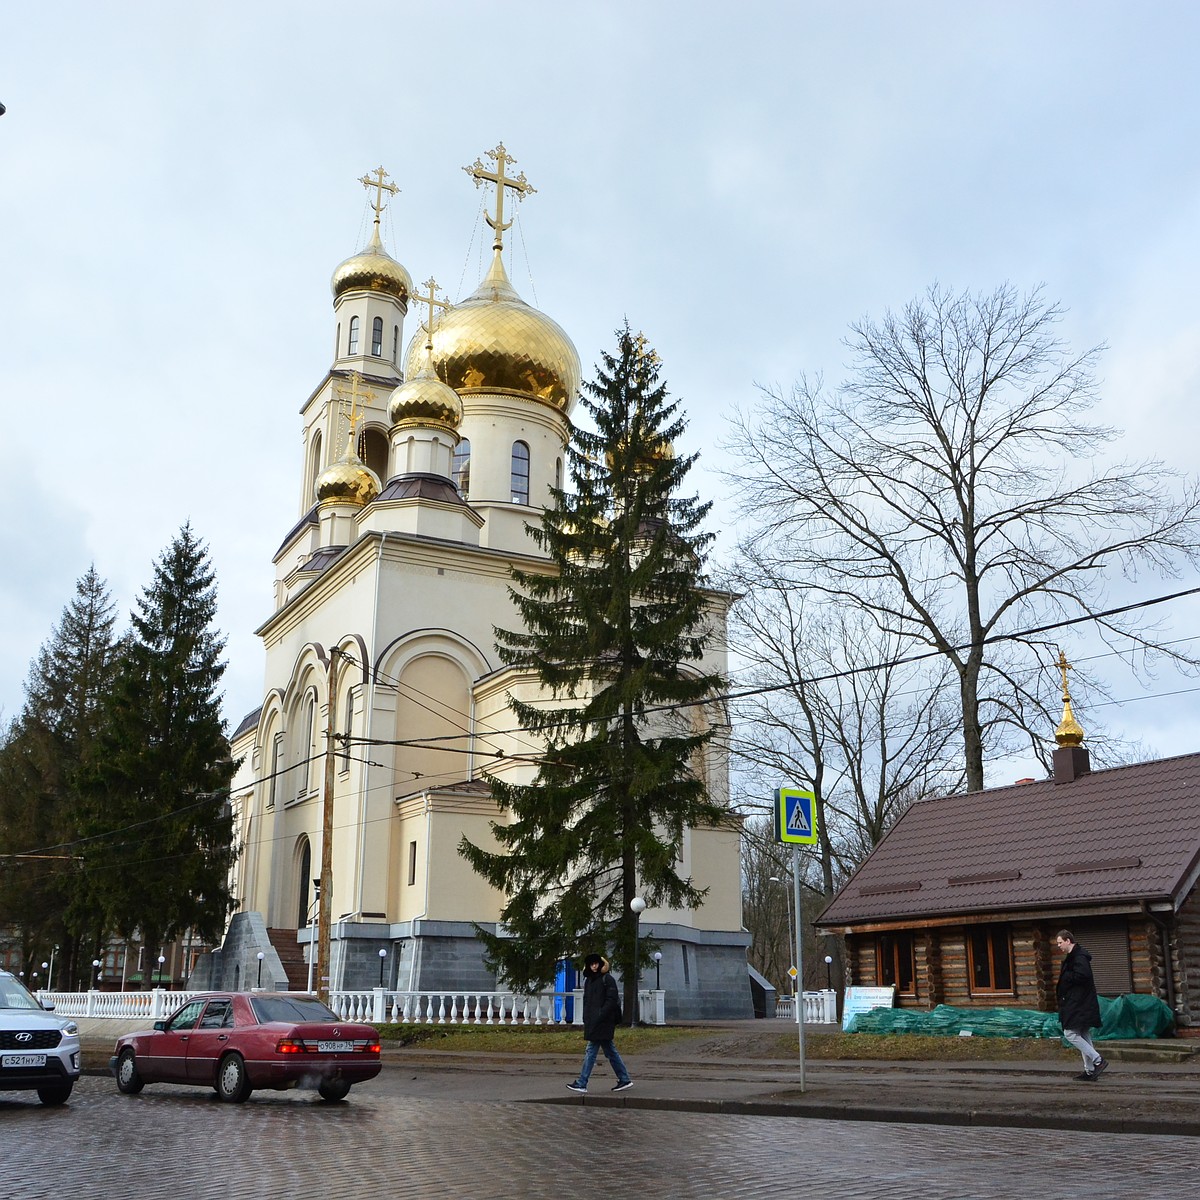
1129,1016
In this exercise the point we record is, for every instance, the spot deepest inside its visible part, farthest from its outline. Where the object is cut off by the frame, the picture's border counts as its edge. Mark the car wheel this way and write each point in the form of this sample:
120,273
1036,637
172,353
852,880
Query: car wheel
333,1089
59,1093
128,1079
232,1085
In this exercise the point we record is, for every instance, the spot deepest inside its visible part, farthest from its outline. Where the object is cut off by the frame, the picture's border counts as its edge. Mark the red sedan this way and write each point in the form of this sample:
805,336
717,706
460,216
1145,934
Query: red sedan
238,1041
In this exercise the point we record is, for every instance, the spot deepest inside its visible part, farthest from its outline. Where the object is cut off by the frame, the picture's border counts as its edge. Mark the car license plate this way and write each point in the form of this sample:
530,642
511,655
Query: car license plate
334,1047
24,1060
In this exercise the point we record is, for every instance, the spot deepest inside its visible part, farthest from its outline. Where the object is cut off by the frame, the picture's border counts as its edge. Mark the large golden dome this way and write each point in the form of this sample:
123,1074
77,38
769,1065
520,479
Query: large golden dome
494,342
372,270
348,481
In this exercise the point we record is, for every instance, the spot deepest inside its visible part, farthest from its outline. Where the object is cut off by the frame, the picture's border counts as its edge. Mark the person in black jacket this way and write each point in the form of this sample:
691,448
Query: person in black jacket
601,1012
1078,1004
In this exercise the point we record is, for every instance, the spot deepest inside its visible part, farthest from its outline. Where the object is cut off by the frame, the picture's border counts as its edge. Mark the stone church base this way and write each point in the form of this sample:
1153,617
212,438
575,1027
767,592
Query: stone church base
703,973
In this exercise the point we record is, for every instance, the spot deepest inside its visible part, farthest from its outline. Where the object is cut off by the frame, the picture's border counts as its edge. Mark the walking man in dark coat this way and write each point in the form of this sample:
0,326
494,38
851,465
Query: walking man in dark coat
1078,1004
601,1012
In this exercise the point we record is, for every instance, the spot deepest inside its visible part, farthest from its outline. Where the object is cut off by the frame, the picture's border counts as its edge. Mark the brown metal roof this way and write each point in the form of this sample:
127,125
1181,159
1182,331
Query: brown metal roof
1125,835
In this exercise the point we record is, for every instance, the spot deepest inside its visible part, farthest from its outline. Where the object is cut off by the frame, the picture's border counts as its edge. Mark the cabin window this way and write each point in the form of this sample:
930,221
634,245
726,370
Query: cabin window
896,962
989,951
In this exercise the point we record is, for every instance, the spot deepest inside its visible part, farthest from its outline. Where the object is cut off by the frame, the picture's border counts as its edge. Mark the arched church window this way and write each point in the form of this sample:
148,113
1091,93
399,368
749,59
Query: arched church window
460,467
395,345
303,915
373,450
352,345
307,747
347,729
558,473
377,337
314,468
520,473
276,768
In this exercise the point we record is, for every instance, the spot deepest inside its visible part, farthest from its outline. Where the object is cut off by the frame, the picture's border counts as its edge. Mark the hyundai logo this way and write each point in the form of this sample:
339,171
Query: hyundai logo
24,1037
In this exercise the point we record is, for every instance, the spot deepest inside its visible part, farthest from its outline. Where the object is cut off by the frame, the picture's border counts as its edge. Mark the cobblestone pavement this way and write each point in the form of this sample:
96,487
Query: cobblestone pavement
184,1145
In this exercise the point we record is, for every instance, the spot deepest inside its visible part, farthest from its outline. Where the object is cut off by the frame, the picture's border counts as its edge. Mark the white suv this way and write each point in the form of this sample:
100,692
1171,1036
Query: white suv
37,1049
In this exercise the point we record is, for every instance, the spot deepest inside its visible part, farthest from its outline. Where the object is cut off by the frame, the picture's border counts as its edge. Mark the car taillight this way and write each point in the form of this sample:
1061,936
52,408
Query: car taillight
291,1046
371,1048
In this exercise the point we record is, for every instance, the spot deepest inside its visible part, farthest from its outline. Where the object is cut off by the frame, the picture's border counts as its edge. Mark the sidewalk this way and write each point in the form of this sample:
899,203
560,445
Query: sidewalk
718,1072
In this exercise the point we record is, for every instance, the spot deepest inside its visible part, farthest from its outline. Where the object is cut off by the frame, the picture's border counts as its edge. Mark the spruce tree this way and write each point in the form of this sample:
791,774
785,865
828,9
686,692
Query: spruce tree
45,754
615,635
159,809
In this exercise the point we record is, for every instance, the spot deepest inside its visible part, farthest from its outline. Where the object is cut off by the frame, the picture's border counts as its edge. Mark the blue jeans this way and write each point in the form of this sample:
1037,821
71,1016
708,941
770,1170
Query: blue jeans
589,1061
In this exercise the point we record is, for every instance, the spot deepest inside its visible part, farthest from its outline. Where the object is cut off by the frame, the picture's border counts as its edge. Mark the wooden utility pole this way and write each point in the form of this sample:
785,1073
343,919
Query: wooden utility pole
325,898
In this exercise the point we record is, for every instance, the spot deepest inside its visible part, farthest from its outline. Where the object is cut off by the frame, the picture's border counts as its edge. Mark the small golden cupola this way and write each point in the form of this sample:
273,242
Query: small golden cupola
349,481
494,341
423,399
1069,731
373,269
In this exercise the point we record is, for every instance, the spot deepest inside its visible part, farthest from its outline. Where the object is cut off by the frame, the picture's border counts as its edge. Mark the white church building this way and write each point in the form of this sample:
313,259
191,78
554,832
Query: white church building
422,465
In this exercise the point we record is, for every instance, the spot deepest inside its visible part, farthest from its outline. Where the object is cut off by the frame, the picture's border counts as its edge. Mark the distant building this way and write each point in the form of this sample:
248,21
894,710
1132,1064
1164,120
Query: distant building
960,902
420,470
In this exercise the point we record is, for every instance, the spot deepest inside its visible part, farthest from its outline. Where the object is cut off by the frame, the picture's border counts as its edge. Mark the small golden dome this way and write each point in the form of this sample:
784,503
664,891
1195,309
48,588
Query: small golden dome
494,342
1069,731
372,270
348,481
425,398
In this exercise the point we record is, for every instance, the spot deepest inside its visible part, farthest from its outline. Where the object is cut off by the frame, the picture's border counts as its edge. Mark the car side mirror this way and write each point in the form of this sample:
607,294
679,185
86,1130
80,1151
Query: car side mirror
160,1025
48,1005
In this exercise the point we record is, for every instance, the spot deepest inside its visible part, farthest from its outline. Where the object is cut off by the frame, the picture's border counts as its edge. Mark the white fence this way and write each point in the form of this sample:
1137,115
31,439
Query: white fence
375,1005
820,1008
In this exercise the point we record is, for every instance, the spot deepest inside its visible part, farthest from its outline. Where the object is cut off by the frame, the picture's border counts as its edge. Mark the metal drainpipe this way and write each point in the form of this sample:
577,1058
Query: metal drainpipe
1164,931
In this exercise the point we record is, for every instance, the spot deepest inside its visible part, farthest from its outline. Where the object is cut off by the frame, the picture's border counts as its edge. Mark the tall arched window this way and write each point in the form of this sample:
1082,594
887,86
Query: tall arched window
395,345
347,729
307,748
460,467
373,450
314,468
352,344
305,884
558,473
520,473
377,337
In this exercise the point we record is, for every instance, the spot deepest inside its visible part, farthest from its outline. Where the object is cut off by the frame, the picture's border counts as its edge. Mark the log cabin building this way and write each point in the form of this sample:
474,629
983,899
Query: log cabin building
960,902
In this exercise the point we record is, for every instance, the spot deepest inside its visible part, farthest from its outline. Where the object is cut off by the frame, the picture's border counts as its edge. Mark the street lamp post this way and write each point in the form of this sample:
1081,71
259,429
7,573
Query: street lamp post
637,906
382,960
44,967
260,956
829,972
787,904
50,977
162,958
96,970
312,929
657,974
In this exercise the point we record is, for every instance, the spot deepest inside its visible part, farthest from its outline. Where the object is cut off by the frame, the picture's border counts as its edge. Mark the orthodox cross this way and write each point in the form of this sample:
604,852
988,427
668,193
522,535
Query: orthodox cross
375,179
1064,667
355,394
431,302
517,183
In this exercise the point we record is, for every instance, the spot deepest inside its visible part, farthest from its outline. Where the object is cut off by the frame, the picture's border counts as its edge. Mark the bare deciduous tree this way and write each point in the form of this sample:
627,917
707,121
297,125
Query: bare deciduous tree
952,490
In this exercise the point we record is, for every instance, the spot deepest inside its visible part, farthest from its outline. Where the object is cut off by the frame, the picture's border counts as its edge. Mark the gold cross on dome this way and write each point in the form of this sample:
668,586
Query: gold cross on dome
518,183
355,394
1064,667
375,179
431,302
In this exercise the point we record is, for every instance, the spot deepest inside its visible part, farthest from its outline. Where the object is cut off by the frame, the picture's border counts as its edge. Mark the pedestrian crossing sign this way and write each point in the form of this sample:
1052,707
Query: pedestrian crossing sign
795,817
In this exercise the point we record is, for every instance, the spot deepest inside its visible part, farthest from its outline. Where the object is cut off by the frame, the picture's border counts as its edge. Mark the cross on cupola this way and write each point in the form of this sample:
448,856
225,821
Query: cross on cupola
517,183
354,394
377,179
431,302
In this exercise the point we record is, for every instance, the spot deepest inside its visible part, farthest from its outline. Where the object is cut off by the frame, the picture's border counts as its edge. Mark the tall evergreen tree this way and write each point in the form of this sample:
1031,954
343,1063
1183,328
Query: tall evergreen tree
46,752
615,635
159,862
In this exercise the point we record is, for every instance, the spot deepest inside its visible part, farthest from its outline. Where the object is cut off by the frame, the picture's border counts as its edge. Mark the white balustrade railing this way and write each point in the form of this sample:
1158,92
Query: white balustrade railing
375,1006
819,1008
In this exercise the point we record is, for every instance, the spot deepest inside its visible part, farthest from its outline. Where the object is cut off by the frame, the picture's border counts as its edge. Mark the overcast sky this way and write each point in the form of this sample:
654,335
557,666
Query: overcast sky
741,180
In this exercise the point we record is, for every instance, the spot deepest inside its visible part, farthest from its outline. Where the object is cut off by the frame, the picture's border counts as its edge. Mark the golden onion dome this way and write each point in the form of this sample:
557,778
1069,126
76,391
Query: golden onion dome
425,397
372,270
494,342
348,481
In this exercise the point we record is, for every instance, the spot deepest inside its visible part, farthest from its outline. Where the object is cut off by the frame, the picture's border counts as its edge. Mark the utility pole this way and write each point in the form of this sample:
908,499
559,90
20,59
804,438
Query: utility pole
325,895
